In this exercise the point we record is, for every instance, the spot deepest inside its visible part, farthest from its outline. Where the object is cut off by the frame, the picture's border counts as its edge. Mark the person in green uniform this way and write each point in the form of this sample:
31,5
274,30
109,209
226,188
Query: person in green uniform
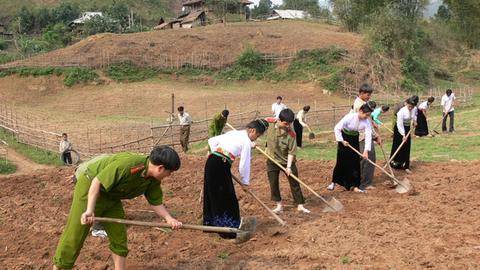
218,123
282,146
99,190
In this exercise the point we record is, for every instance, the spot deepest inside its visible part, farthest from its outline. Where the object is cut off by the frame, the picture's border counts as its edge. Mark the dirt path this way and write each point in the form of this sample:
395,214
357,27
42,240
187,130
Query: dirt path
24,165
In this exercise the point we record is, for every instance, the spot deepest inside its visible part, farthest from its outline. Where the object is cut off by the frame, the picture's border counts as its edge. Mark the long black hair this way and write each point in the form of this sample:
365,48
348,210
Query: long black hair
260,125
366,108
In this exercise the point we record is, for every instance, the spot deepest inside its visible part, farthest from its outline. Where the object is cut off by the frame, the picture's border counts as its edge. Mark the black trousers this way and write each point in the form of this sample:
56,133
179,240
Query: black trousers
67,157
444,122
299,131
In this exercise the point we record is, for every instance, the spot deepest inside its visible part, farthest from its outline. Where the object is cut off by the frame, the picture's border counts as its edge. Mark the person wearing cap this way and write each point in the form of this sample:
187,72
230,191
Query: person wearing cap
282,147
405,118
218,123
220,204
99,189
277,107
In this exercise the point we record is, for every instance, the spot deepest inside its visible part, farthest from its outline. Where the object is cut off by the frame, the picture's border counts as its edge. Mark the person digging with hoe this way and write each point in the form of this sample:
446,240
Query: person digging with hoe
99,191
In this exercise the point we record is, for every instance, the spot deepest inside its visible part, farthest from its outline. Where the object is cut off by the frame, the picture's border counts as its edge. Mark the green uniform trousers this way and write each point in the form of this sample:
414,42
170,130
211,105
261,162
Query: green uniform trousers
273,172
74,234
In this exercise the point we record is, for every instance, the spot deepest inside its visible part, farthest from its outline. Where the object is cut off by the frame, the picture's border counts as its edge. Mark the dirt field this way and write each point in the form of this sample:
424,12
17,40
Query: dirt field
216,44
437,228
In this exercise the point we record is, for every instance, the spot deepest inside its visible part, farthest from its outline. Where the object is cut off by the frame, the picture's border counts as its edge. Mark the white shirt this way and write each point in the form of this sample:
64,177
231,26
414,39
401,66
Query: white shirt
447,102
301,118
357,104
353,123
64,145
277,108
404,116
185,119
424,106
237,143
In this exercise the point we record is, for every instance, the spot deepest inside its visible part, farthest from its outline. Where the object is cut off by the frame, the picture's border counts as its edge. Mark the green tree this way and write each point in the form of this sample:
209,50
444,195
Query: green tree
101,24
65,13
42,18
57,36
263,9
118,12
26,20
465,20
443,13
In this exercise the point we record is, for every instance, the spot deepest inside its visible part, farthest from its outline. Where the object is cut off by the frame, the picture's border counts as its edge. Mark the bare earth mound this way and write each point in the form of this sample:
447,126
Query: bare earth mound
215,44
436,228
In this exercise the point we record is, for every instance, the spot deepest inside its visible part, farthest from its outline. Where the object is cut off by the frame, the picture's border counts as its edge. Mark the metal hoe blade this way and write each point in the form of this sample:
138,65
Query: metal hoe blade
333,205
403,186
248,226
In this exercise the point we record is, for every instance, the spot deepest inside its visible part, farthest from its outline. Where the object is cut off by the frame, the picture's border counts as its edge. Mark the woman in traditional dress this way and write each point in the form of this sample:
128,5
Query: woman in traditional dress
300,123
347,169
405,117
422,125
220,204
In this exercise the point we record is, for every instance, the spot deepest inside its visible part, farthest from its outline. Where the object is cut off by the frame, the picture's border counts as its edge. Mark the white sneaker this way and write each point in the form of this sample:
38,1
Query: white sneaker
99,233
278,209
301,208
331,186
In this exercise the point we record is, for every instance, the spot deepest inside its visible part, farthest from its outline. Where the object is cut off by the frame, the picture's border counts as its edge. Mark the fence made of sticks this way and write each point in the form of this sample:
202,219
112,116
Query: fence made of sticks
3,152
141,136
104,58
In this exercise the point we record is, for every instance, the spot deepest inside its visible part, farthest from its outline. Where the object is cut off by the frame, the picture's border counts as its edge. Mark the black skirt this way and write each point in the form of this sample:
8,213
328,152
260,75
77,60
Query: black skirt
299,131
402,159
347,169
422,125
220,204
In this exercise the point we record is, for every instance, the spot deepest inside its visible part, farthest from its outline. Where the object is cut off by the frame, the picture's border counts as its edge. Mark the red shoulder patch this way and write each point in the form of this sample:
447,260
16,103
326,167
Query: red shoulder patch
292,133
271,119
137,169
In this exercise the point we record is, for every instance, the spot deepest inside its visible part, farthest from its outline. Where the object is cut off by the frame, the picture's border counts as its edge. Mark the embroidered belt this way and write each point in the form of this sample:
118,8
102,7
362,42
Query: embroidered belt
224,154
350,132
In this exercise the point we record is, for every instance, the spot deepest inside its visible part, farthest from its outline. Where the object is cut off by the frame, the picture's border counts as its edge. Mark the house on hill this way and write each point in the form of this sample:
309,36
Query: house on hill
86,16
291,14
187,20
3,32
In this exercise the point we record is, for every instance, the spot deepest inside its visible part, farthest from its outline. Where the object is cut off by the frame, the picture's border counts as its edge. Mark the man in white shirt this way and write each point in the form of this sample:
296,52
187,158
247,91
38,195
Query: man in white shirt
277,107
448,103
185,121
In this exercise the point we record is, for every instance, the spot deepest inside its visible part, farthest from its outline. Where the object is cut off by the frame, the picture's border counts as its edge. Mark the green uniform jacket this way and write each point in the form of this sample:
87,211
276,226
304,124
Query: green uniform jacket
216,126
281,142
122,176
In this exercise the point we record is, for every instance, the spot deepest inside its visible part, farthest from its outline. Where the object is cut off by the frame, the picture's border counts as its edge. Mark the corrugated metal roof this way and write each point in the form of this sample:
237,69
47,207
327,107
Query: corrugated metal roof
291,13
87,16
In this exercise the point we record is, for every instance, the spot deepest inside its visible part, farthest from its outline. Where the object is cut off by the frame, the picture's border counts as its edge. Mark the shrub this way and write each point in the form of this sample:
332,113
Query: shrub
77,75
248,65
128,72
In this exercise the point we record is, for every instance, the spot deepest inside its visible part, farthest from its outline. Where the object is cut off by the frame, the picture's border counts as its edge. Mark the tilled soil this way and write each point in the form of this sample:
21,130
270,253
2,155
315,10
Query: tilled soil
436,228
